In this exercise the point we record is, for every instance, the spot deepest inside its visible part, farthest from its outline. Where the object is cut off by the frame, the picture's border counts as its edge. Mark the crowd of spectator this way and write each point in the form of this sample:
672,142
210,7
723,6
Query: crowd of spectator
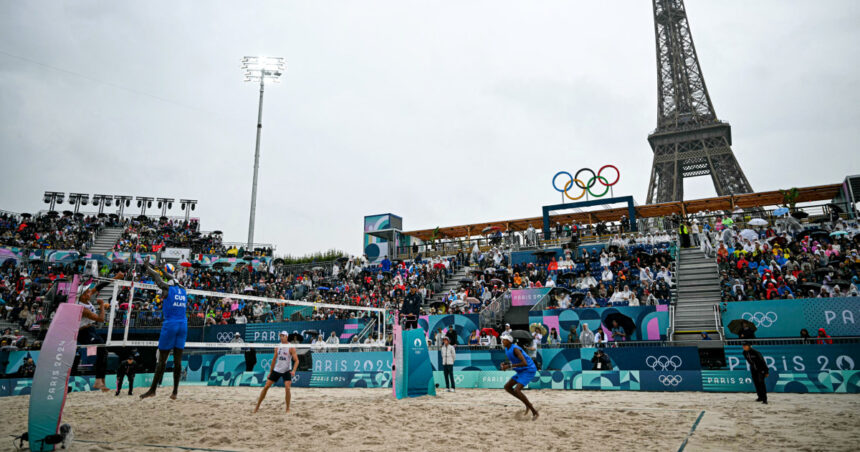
774,263
49,232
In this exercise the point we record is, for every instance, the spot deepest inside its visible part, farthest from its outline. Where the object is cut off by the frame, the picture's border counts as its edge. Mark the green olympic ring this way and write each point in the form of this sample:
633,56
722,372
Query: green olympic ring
605,183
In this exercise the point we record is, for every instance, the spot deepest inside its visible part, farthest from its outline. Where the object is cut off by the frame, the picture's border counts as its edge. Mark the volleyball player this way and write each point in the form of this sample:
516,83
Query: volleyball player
525,370
284,364
87,335
174,326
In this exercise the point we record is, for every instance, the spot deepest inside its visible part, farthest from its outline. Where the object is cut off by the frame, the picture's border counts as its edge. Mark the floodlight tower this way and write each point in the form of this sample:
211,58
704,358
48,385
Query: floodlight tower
260,69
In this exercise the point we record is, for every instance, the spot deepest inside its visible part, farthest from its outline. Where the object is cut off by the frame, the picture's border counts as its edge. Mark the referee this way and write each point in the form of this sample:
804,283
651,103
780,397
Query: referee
758,371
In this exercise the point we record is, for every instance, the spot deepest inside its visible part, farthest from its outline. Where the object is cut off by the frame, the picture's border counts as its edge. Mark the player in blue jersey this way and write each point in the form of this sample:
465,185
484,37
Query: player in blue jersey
525,370
174,326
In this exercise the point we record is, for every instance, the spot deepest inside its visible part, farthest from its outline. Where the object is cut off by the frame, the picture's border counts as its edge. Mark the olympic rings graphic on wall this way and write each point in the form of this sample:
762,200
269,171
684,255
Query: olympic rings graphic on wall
586,186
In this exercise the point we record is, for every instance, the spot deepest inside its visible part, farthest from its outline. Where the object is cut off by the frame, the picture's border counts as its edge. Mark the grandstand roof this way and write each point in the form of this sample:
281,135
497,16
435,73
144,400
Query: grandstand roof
748,200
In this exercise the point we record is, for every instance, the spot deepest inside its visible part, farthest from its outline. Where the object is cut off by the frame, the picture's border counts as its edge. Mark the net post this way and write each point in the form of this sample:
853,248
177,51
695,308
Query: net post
112,314
130,309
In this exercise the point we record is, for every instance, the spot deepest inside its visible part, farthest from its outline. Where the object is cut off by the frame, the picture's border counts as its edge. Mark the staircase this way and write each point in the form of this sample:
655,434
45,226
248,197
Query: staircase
106,240
698,291
453,282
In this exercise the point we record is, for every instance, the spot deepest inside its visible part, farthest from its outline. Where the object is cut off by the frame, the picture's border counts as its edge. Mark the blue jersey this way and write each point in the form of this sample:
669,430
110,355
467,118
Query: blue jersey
173,306
530,365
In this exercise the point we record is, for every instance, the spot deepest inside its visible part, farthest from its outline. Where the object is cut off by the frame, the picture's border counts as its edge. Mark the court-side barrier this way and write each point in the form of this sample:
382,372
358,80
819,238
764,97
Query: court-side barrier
833,381
268,332
785,318
651,322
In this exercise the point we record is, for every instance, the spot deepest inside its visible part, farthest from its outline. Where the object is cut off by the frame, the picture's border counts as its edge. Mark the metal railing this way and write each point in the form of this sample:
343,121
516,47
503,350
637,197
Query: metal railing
718,321
492,316
671,333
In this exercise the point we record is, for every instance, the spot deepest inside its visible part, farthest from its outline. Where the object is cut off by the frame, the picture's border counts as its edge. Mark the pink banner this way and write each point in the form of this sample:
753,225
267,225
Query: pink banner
50,382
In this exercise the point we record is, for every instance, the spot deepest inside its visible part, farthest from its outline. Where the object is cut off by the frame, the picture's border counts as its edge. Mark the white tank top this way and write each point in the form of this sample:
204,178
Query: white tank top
284,362
85,321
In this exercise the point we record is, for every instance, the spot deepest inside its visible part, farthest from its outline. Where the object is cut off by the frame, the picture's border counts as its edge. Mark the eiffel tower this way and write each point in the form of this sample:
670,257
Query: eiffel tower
689,140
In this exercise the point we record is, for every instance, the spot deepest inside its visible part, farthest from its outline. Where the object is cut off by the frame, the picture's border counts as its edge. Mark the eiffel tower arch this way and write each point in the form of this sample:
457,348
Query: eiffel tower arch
689,140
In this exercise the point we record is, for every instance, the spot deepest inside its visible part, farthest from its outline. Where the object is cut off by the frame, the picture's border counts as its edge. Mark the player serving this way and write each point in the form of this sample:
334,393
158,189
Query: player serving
174,326
284,364
525,368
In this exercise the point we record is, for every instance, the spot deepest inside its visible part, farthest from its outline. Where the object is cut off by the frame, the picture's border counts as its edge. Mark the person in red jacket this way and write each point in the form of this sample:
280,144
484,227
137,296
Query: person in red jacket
824,337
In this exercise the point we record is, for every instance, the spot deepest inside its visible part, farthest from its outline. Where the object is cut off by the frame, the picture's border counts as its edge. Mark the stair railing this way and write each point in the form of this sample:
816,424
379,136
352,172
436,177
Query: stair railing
718,321
671,332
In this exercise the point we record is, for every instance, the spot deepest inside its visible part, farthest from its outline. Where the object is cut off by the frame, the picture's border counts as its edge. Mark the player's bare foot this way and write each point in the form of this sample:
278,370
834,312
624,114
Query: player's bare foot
535,417
147,395
256,409
173,396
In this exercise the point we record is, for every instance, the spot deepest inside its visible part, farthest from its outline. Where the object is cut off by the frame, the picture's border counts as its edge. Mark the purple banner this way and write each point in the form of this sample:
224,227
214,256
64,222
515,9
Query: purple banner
52,375
528,297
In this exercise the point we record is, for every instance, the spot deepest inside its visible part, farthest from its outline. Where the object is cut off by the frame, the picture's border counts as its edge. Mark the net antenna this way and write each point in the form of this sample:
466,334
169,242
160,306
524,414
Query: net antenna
379,314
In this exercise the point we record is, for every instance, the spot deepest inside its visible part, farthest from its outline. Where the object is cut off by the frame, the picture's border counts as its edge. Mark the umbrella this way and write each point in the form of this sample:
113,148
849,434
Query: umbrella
53,213
790,224
317,269
68,213
811,286
217,232
26,215
473,300
799,214
735,326
838,233
113,215
501,270
624,322
496,281
185,264
522,337
312,333
757,222
537,327
489,228
489,332
219,265
342,259
196,265
278,261
781,211
248,257
323,288
466,281
749,234
561,289
568,275
840,282
728,221
824,271
437,302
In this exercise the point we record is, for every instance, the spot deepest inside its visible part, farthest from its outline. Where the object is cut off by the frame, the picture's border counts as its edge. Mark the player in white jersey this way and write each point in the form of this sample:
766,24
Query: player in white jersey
284,364
93,313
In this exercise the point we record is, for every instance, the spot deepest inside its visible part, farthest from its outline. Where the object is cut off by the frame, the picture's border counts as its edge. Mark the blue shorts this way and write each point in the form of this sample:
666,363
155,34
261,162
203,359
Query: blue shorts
173,335
525,377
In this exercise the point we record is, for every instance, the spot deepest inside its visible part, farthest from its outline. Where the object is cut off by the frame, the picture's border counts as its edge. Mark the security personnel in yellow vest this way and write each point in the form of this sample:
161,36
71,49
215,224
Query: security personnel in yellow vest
684,232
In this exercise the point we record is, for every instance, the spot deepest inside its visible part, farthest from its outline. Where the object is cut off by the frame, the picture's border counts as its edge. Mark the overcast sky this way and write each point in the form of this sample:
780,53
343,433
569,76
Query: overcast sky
445,113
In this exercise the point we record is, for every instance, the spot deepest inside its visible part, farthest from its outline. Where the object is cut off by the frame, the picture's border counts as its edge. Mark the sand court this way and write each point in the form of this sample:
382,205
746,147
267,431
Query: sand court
220,418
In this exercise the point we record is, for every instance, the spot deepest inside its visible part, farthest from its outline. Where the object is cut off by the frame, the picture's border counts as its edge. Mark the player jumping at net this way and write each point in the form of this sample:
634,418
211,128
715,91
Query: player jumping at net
525,370
174,326
87,335
284,364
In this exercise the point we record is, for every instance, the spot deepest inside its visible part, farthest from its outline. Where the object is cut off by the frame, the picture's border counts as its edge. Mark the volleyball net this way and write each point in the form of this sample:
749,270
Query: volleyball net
135,308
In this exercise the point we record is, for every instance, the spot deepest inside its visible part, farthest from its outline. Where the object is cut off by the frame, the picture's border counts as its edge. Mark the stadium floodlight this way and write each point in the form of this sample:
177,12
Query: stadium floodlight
260,69
188,205
164,204
78,199
143,202
53,198
102,201
122,201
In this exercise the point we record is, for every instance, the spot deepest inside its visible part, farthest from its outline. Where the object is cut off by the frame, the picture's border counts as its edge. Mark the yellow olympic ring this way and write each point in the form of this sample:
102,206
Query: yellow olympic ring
567,186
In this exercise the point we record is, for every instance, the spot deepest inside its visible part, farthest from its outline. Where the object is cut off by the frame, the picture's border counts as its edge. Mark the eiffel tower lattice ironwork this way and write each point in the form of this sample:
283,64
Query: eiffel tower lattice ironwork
689,140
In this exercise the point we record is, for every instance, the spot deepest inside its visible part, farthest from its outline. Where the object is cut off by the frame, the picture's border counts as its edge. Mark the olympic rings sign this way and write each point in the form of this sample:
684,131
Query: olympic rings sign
586,186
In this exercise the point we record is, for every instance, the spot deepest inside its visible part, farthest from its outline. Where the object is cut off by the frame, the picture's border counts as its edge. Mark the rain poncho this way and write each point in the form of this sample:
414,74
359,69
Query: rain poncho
586,337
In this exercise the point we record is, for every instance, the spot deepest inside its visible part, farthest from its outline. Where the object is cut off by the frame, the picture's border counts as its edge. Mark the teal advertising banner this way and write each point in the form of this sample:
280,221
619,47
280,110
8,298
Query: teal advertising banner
651,321
785,318
799,358
352,362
